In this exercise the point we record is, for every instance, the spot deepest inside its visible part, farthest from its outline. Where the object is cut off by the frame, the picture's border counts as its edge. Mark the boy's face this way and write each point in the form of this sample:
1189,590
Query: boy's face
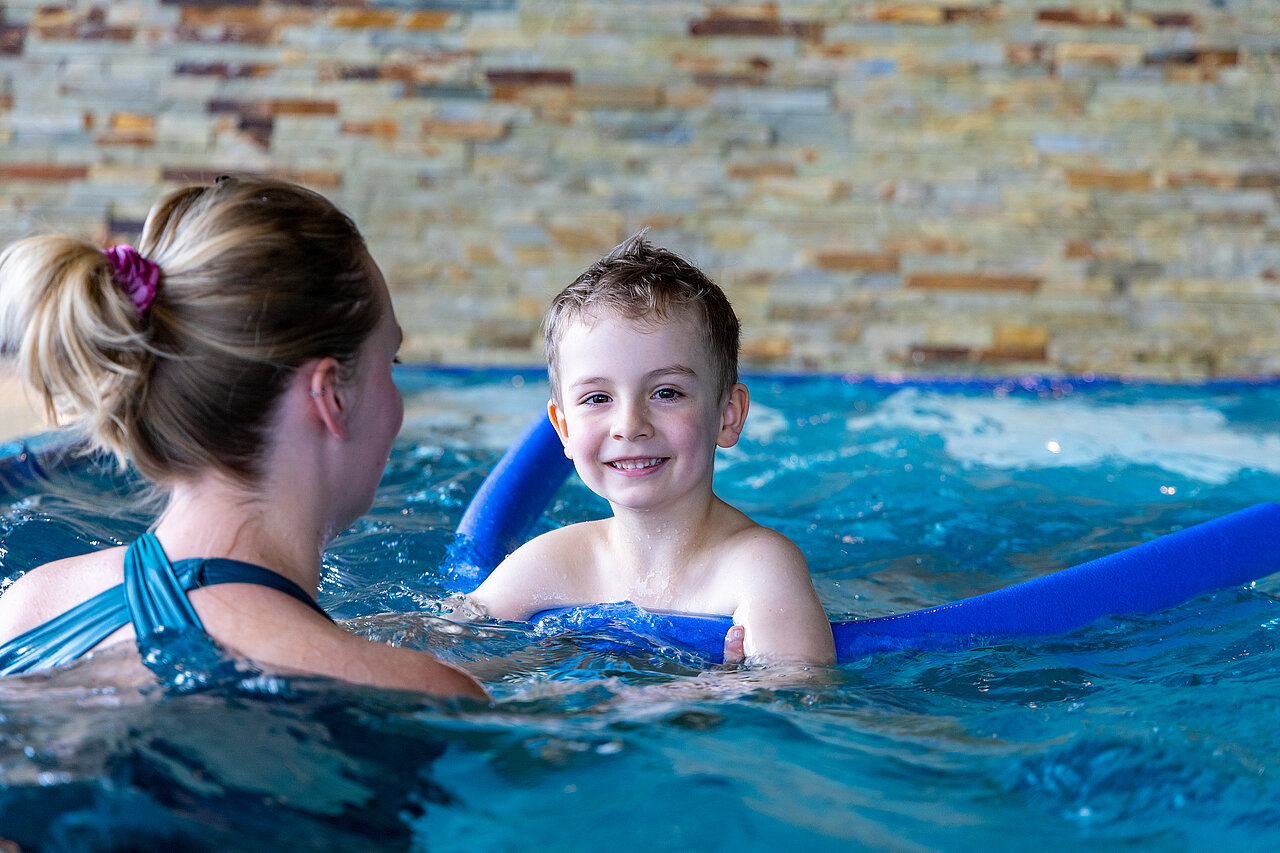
640,411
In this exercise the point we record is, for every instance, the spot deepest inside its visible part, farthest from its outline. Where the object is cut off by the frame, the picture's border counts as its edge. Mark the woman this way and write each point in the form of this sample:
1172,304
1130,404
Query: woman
241,360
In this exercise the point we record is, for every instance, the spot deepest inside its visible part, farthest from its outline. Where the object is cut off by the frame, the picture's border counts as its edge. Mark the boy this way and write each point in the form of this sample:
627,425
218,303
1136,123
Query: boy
642,353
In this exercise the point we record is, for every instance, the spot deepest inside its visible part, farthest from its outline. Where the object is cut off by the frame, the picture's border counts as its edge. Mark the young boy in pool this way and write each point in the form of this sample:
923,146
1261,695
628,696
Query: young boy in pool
642,354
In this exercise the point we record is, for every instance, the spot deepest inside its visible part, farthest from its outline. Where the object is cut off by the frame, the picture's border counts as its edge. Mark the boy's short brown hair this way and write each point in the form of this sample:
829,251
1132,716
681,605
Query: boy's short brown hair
640,281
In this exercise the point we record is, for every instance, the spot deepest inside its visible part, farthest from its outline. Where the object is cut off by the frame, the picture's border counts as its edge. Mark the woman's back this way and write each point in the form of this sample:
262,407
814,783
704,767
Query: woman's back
248,619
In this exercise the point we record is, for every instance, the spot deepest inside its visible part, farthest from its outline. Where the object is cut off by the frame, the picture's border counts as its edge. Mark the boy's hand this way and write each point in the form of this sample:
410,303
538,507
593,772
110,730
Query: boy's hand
733,650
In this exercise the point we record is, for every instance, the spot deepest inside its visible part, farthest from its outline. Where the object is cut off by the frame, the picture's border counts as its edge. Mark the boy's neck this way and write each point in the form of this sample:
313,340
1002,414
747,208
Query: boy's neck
669,540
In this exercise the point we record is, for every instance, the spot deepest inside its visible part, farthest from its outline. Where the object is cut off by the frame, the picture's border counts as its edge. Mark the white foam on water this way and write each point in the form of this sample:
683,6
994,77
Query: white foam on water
1013,433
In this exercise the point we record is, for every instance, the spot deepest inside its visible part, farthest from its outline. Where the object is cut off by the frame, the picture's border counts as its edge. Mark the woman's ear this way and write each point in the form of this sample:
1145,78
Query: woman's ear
562,427
733,416
326,403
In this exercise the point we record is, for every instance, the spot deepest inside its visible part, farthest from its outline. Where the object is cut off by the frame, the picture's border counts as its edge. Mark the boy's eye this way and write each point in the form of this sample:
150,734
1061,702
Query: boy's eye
596,399
667,394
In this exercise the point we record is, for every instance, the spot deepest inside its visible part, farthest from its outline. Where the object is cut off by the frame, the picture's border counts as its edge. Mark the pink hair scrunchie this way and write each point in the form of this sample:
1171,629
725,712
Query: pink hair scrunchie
135,275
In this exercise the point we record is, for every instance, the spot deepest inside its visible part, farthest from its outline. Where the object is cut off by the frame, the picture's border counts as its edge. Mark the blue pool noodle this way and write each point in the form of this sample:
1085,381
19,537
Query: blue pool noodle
1233,550
508,502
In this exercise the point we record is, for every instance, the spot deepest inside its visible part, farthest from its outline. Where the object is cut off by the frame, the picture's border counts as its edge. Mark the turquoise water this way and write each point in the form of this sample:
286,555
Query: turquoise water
1155,732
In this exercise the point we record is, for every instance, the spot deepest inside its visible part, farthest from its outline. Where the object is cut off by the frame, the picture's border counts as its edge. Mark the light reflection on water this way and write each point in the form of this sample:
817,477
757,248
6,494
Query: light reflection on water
1154,731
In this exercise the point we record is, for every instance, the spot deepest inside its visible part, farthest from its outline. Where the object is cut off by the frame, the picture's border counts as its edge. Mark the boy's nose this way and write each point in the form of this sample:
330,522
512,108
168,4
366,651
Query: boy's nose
632,422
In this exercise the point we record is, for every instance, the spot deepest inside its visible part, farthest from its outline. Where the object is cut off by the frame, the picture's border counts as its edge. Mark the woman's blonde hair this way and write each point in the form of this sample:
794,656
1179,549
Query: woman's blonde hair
257,277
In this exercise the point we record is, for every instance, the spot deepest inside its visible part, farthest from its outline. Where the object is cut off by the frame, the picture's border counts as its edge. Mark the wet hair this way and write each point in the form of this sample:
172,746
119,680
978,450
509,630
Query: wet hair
257,277
640,281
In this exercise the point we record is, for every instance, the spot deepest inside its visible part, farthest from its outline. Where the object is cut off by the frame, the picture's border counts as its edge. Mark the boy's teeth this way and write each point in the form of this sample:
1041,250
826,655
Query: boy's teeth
632,464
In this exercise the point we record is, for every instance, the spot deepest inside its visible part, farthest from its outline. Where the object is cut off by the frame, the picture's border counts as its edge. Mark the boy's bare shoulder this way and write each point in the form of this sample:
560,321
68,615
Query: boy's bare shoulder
756,562
547,571
763,547
775,600
562,543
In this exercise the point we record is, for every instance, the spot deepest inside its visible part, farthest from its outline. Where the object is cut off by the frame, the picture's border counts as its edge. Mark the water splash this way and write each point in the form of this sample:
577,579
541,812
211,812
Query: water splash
1183,438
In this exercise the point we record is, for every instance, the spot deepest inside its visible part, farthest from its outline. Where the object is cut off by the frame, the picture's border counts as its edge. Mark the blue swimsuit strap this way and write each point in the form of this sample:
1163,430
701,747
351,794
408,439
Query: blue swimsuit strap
152,592
71,634
217,570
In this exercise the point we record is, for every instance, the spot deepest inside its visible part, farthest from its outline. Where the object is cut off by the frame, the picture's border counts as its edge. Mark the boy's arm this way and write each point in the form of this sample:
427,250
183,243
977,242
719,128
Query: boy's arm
536,576
784,620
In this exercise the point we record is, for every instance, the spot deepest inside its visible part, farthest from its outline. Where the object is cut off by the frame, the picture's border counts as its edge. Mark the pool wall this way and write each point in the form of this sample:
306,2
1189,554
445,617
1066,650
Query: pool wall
1042,185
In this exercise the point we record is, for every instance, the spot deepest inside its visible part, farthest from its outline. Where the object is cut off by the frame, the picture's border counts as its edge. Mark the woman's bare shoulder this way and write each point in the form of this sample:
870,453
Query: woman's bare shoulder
280,632
48,590
338,653
107,563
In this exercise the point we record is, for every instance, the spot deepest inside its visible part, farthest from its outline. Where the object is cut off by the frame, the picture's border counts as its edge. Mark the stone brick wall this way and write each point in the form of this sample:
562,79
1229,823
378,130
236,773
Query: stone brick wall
945,185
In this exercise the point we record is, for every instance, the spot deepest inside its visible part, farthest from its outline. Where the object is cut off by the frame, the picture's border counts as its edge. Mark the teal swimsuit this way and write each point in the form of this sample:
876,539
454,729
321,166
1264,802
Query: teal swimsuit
153,597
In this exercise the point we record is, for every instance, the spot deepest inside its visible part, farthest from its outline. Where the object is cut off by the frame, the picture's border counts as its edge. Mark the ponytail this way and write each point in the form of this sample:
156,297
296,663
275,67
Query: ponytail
76,337
256,276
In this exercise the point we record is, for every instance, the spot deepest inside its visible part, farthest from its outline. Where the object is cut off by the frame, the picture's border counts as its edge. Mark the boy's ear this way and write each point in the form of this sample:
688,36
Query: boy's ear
327,405
562,427
733,416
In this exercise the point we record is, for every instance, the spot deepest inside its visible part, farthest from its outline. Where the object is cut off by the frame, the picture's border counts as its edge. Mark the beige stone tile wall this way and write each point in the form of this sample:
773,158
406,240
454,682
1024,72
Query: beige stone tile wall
958,186
17,416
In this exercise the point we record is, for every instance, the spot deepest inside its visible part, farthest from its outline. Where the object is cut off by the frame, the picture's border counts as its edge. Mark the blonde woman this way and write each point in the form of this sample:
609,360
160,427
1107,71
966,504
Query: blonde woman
240,358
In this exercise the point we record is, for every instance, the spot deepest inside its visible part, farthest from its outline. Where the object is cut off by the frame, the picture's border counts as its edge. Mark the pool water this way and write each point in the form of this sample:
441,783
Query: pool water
1152,732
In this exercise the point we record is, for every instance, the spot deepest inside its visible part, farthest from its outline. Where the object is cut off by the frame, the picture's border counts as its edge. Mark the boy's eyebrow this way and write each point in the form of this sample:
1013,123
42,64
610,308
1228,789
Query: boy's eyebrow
586,380
678,369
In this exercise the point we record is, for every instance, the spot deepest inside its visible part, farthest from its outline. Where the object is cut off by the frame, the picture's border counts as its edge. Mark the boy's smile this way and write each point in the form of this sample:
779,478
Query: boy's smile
641,413
639,466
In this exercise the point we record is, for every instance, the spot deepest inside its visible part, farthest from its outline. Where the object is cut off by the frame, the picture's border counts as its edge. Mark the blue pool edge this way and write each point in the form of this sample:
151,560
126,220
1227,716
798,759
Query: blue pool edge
1032,382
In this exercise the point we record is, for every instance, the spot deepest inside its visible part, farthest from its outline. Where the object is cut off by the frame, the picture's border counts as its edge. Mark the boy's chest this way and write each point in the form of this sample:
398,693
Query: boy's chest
688,588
